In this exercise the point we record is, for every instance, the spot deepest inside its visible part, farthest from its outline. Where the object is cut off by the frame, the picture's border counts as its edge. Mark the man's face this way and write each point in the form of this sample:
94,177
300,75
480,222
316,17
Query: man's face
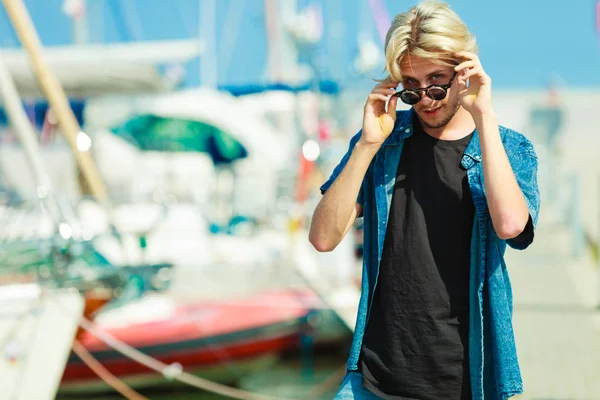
421,72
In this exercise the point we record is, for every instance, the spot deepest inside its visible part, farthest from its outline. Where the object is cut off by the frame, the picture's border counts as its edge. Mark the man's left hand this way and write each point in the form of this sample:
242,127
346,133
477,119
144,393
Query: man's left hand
476,98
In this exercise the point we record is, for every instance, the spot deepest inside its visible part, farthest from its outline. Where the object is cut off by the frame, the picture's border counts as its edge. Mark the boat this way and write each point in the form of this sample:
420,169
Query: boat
100,69
219,340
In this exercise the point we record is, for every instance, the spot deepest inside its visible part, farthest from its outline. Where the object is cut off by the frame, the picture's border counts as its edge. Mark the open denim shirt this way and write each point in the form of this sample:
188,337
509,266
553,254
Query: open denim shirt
494,367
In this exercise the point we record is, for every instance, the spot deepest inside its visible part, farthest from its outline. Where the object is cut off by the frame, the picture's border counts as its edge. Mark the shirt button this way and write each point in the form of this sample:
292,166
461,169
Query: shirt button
407,130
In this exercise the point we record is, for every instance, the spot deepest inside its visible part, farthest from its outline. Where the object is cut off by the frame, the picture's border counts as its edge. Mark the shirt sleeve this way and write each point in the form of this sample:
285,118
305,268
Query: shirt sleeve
340,167
526,235
525,166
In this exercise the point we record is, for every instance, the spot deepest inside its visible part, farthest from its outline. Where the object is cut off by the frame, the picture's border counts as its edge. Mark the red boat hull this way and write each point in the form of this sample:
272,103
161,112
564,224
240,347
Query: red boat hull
200,337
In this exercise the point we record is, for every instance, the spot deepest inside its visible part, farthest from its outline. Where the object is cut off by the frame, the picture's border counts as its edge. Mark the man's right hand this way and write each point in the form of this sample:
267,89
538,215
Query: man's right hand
339,207
377,122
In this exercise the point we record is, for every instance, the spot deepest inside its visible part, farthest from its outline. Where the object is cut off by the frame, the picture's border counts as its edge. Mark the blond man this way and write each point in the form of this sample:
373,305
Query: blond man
443,189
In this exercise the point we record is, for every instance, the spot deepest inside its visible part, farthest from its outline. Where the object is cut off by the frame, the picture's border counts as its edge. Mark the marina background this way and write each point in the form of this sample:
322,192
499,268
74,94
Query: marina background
212,123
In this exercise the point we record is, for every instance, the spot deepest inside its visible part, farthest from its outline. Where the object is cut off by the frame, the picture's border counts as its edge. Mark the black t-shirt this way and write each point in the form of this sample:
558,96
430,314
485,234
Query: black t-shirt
416,341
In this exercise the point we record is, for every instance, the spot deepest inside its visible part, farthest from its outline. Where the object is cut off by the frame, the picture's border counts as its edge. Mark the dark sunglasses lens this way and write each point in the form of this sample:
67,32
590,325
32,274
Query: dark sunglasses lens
410,97
436,93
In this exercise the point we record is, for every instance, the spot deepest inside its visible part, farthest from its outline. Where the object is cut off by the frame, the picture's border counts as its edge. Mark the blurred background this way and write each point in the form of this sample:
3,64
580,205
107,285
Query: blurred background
160,162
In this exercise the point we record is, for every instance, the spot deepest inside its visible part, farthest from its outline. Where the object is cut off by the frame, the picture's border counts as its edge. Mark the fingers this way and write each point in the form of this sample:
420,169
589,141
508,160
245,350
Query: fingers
387,88
386,85
383,91
391,110
386,91
475,73
466,65
466,55
378,96
471,62
471,72
469,68
462,83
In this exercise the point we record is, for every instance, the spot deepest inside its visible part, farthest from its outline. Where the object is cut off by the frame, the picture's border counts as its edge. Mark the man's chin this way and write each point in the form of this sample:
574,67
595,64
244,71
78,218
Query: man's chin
433,122
438,120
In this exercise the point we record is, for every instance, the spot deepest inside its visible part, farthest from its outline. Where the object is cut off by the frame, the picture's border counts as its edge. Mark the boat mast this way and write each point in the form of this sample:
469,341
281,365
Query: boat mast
77,10
28,138
80,23
57,98
206,33
282,66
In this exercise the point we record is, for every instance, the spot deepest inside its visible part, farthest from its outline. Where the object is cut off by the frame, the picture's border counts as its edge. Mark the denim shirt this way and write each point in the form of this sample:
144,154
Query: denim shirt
494,367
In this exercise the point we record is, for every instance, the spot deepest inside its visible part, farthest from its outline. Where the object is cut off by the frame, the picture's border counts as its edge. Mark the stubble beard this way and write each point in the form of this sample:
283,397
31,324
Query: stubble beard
453,107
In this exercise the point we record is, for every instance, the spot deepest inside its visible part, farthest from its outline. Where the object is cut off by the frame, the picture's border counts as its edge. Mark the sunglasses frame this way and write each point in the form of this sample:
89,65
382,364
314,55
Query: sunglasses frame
426,90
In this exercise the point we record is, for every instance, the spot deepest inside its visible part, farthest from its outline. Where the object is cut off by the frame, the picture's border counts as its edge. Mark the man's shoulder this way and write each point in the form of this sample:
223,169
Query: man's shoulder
516,142
511,135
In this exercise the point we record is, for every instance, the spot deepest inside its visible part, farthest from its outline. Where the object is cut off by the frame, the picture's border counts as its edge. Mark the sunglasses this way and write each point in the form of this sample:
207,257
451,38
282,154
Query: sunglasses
434,92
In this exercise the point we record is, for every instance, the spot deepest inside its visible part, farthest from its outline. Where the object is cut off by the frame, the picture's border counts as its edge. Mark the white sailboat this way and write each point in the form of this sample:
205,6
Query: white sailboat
99,69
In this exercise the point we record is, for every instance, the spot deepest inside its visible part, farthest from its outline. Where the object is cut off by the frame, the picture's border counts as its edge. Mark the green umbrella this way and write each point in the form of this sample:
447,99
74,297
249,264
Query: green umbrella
154,133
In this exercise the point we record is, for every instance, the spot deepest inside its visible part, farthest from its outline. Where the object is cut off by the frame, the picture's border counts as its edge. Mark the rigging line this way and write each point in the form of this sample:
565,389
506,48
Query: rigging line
120,25
104,373
272,22
230,31
136,28
172,371
301,301
13,266
22,256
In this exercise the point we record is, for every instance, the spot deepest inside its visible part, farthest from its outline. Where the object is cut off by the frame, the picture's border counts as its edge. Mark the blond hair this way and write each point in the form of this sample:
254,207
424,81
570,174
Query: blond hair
429,30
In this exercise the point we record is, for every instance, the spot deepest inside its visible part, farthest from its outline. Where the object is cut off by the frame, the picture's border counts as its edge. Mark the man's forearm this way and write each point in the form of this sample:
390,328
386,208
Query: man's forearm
336,211
506,202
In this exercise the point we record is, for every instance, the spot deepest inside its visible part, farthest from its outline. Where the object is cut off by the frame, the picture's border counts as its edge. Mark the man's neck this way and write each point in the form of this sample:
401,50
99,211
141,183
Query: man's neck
460,125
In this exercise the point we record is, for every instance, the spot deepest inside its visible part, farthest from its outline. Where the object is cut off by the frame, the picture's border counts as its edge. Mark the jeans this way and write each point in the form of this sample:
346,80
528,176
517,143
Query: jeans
352,389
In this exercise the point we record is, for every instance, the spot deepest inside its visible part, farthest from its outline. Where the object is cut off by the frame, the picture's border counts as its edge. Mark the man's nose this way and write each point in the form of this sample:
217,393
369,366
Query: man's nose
426,100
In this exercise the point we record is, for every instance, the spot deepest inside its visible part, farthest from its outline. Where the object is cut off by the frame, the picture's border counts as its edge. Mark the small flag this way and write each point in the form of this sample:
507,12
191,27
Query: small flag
598,17
73,8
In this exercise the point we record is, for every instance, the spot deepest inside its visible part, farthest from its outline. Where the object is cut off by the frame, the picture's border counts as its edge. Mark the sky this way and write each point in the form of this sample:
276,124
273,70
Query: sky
523,43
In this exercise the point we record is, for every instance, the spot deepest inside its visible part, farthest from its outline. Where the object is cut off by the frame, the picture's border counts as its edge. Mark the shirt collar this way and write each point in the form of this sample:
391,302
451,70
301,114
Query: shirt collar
403,128
473,149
